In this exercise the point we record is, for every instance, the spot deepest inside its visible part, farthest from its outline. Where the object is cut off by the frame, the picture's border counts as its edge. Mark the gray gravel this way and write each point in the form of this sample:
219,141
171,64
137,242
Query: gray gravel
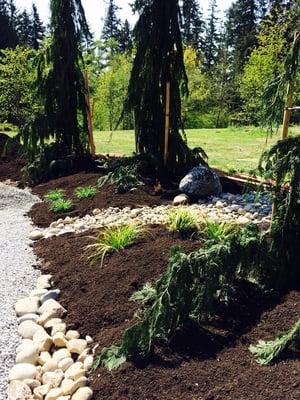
17,275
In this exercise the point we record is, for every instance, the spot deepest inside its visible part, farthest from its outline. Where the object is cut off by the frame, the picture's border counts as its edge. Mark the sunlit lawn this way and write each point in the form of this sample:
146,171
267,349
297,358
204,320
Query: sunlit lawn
231,149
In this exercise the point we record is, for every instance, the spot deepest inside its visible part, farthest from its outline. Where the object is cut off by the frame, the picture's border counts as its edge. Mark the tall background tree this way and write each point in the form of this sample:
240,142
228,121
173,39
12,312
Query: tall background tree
158,60
193,25
8,34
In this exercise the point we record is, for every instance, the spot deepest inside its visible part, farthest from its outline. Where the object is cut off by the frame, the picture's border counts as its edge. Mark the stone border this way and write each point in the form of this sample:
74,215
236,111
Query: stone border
52,363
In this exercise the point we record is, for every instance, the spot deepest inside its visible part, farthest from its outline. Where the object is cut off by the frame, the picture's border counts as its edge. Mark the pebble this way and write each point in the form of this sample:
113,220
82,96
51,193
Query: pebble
83,394
28,355
77,346
19,372
27,329
28,305
18,390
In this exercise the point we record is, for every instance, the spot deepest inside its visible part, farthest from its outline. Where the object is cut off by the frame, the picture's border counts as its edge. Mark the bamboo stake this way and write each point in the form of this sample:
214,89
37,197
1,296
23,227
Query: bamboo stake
89,115
167,122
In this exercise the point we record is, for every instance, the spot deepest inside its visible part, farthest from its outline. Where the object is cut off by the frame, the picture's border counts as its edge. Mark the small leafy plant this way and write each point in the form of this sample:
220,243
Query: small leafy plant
54,195
181,220
267,352
61,205
125,178
85,192
217,231
112,239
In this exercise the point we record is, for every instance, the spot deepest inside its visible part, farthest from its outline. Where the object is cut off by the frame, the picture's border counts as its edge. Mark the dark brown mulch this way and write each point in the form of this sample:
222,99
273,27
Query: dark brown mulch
10,165
106,197
199,364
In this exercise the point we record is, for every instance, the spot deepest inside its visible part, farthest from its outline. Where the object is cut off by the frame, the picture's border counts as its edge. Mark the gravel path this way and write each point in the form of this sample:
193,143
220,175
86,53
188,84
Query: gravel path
17,275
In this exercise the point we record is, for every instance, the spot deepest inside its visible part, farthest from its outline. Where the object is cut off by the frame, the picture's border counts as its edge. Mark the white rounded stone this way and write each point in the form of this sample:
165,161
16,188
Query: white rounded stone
61,354
75,372
60,340
24,344
59,328
50,366
65,363
84,393
69,386
18,390
38,292
54,394
44,357
72,335
54,378
36,235
28,355
22,371
28,317
52,322
28,305
27,329
41,391
44,282
43,340
77,346
84,355
32,383
89,339
51,305
88,363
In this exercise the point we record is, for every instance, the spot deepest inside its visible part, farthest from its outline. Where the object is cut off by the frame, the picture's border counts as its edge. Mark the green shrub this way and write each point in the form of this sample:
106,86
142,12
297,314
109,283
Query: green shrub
267,352
85,192
218,231
61,205
54,195
125,178
181,220
112,239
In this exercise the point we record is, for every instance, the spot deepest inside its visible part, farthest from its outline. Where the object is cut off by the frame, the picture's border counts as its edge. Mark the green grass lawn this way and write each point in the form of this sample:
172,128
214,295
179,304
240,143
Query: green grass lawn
230,149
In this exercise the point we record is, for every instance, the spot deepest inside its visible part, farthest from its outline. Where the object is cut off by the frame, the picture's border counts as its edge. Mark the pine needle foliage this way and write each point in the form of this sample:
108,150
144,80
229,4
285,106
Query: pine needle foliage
158,60
267,352
62,118
282,164
189,289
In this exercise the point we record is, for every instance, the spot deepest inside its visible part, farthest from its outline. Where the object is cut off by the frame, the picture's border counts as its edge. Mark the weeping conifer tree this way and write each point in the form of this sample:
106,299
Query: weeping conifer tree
62,118
159,59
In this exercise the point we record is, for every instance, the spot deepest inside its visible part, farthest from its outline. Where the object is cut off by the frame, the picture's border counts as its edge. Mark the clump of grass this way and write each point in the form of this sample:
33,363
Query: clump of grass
181,220
85,192
218,231
112,239
54,195
61,205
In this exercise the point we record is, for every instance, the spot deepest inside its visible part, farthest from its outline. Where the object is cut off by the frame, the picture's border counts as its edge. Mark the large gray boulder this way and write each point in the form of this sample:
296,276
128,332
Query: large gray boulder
200,183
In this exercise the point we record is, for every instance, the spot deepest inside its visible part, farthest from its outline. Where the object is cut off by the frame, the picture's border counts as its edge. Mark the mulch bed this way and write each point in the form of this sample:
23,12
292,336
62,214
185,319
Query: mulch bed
199,364
10,165
106,197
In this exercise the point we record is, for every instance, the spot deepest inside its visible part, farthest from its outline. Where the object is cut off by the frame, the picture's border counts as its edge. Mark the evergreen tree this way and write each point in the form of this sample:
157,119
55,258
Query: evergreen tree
112,25
159,59
61,85
38,29
24,28
192,24
211,37
8,35
125,38
241,28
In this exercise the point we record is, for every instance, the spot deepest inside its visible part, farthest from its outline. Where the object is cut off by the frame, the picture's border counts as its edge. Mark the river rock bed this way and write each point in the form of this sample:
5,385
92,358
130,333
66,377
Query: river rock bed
52,363
242,209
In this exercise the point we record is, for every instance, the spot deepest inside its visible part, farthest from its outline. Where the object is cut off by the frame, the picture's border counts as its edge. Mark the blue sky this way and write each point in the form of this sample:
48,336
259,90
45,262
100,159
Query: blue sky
95,10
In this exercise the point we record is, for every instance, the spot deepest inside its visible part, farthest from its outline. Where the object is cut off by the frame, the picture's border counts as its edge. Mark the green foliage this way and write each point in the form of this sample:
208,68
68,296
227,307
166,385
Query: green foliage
61,205
266,352
86,192
181,220
54,195
111,89
18,100
158,60
125,178
282,164
112,239
191,288
217,231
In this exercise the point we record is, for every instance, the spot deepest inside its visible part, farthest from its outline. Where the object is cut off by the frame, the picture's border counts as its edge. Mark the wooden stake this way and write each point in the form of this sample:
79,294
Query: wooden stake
167,122
287,112
89,115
